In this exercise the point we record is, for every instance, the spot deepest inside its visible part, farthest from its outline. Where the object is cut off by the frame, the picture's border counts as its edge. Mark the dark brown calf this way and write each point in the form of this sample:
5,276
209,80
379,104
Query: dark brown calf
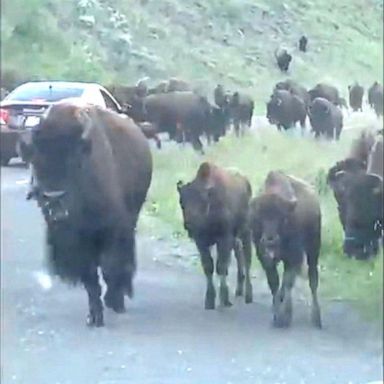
215,206
286,226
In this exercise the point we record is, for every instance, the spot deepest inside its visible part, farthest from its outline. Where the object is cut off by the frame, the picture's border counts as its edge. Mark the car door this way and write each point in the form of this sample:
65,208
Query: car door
109,102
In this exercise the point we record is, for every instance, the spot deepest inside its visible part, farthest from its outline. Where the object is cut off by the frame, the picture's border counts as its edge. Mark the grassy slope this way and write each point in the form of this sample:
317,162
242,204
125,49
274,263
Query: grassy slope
203,41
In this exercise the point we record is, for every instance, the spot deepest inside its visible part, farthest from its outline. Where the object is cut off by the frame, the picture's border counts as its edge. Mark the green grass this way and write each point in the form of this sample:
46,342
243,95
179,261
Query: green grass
255,156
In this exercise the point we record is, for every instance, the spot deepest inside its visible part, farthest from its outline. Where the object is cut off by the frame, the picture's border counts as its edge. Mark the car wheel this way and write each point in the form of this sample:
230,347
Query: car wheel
5,161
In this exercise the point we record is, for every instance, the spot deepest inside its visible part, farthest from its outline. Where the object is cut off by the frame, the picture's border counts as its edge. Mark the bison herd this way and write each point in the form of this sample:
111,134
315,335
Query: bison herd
175,108
92,168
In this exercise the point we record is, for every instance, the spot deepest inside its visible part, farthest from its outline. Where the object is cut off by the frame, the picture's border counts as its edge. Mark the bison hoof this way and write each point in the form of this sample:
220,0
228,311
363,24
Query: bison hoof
115,302
224,297
248,297
95,320
209,302
239,291
281,321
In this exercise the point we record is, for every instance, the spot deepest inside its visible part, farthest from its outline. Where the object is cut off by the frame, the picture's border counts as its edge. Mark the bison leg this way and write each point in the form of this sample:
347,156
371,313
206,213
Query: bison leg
92,285
197,144
157,141
240,267
247,248
224,248
313,250
313,276
282,303
271,272
207,264
236,125
114,297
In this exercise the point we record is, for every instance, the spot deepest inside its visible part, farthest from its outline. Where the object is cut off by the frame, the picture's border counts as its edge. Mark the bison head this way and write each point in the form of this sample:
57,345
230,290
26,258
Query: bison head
351,166
271,220
362,196
274,108
200,204
319,107
60,145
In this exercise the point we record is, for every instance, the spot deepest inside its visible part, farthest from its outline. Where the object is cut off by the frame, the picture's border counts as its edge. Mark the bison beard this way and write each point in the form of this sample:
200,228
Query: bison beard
95,167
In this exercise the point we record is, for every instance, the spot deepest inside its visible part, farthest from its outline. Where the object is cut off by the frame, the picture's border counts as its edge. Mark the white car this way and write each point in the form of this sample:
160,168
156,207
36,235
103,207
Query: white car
23,107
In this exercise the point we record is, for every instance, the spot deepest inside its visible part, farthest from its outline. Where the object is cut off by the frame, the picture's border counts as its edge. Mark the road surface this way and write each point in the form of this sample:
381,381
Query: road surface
166,337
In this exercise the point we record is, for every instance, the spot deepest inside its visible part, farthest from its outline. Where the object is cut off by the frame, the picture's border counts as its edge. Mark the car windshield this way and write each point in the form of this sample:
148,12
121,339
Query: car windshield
44,92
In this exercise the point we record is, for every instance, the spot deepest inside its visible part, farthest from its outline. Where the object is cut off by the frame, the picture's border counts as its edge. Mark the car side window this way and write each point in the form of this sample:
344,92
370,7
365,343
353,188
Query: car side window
109,103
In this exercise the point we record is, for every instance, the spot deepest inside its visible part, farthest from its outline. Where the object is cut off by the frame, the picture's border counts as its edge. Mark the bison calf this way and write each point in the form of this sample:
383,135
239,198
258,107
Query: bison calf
241,111
326,119
285,109
215,206
356,93
286,226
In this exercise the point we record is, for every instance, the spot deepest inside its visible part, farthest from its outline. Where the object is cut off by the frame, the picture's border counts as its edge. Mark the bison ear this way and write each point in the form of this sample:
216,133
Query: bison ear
179,184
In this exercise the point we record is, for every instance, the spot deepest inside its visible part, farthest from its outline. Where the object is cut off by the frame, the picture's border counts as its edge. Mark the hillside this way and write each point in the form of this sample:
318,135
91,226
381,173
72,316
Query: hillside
231,41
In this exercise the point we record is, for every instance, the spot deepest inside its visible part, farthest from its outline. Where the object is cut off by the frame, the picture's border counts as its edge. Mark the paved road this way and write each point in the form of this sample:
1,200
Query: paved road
166,337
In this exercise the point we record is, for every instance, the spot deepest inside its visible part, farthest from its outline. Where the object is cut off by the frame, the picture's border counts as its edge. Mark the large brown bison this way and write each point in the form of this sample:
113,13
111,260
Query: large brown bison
286,109
326,119
296,89
286,226
241,111
359,194
356,93
180,114
215,206
283,59
325,91
375,98
92,170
